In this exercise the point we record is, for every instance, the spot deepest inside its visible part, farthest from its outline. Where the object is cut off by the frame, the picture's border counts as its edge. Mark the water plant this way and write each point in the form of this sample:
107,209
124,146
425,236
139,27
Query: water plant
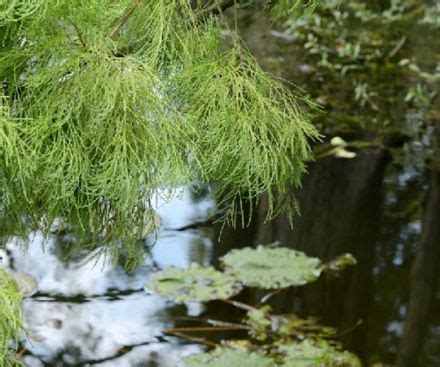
274,340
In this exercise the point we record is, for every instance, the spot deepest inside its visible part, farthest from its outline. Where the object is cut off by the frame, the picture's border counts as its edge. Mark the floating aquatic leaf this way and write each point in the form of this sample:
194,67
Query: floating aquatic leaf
312,354
194,284
272,267
224,357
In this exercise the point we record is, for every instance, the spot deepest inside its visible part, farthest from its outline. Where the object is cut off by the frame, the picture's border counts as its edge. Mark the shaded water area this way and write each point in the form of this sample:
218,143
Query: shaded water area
97,314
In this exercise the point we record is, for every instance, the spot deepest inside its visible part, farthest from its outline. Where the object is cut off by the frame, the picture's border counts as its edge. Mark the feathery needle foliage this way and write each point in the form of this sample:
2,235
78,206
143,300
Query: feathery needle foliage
106,103
10,316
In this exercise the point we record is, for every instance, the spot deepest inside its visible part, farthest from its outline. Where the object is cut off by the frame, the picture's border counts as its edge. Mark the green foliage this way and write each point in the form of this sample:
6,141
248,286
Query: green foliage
369,63
265,267
283,9
300,354
196,284
265,325
261,267
222,357
10,317
260,322
108,102
312,354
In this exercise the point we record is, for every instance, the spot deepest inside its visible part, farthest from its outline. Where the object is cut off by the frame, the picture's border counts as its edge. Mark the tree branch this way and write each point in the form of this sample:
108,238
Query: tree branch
115,31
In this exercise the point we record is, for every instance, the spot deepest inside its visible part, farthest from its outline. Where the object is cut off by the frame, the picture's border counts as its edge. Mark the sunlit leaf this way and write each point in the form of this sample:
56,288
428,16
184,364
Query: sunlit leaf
265,267
195,284
224,357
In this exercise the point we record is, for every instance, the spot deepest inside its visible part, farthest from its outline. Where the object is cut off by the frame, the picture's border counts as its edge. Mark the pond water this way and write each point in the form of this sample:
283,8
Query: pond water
90,312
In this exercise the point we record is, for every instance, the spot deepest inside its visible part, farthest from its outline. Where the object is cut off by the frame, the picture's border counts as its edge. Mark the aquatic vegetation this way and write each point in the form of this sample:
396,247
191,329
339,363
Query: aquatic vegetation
301,354
10,318
311,354
266,267
273,340
221,357
197,284
264,325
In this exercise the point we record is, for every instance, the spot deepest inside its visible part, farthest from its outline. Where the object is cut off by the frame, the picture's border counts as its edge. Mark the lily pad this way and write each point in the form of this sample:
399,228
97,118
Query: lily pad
225,357
268,268
312,354
194,284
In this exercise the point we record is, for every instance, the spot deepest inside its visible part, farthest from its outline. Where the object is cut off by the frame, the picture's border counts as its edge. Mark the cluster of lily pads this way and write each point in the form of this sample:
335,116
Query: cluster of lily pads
273,340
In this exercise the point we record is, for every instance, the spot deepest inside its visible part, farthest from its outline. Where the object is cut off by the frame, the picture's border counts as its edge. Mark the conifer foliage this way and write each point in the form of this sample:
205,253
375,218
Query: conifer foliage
105,103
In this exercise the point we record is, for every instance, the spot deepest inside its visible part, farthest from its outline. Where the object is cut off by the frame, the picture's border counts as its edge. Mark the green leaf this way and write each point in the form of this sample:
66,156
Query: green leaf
195,284
312,354
224,357
265,267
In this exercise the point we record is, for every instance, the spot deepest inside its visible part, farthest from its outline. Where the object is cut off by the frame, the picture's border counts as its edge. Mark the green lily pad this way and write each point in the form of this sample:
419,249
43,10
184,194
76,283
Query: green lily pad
268,268
312,354
224,357
194,284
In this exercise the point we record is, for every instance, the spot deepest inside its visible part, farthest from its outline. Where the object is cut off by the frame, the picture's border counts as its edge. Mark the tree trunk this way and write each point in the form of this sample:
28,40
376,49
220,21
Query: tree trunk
340,212
424,273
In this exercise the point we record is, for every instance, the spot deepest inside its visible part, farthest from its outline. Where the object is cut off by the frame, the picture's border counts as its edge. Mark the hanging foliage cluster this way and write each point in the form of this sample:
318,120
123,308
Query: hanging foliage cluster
106,103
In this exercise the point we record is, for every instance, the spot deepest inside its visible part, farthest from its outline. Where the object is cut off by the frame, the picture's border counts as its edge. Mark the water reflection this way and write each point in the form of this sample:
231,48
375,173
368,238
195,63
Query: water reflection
95,313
